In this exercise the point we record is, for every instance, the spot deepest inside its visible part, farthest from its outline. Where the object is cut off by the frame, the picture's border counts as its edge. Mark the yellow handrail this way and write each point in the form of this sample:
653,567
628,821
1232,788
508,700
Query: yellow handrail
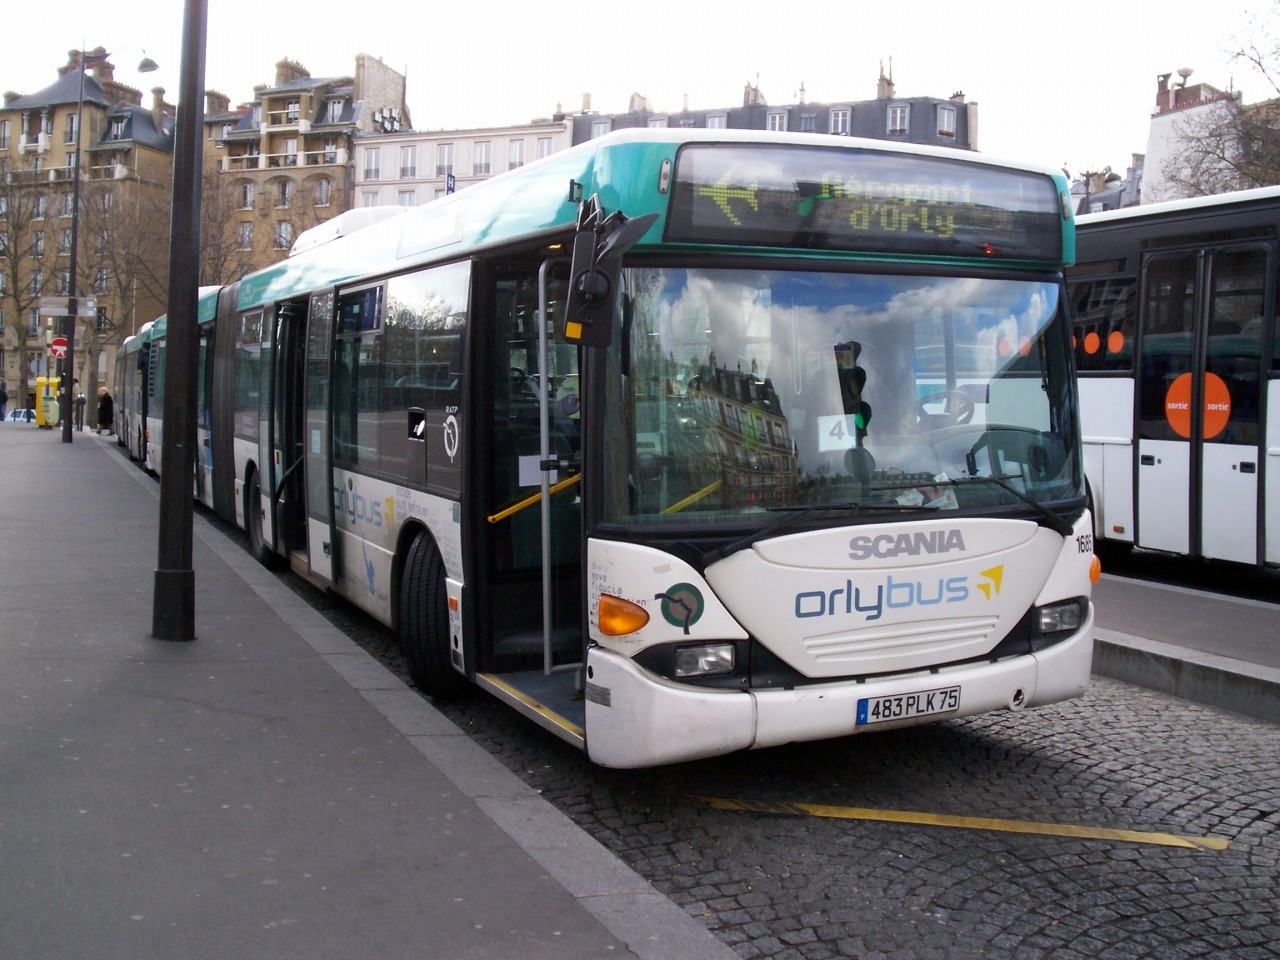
694,497
530,501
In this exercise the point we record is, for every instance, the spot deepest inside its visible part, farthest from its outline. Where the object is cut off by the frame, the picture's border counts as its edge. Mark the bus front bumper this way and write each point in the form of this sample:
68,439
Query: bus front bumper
636,719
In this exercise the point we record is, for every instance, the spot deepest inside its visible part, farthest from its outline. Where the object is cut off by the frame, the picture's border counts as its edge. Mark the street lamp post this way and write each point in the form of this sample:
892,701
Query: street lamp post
173,600
73,306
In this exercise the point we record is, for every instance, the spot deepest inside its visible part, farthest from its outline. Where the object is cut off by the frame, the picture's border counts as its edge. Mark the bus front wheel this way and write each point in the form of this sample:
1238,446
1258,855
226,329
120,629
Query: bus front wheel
423,624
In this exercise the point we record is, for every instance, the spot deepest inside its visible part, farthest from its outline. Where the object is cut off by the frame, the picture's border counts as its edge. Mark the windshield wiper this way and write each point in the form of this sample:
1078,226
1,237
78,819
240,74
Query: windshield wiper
1054,521
797,514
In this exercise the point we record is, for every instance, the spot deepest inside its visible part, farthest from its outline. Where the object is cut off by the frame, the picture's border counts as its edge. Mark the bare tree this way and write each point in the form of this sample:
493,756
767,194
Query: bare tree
24,262
223,258
1229,145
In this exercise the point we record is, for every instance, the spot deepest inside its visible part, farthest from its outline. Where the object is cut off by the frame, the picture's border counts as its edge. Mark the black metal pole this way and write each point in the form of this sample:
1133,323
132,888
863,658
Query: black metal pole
65,401
173,604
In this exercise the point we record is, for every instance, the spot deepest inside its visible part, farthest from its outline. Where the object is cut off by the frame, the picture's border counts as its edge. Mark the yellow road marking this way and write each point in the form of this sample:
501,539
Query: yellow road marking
967,823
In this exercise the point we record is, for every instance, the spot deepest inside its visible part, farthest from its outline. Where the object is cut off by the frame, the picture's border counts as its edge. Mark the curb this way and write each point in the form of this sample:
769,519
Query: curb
1247,688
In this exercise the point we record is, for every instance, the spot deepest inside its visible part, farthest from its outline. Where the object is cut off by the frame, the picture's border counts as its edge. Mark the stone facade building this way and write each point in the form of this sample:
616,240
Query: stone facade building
124,178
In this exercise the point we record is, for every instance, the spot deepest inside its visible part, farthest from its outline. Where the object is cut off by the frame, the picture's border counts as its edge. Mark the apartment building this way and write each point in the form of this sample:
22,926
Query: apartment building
409,167
123,176
282,163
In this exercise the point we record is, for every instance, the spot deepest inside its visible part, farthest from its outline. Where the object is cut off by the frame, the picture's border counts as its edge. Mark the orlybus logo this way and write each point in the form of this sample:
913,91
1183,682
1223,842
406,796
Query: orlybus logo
992,587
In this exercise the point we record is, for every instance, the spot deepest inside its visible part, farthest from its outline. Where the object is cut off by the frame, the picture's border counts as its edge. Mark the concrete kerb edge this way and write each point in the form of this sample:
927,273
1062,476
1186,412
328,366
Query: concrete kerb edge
622,901
1245,688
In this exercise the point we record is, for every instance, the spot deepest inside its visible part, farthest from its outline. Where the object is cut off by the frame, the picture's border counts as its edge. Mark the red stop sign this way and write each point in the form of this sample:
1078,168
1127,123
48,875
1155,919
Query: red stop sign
58,348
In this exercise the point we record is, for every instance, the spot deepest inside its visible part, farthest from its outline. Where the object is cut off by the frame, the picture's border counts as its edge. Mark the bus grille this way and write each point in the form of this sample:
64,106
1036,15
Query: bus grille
900,646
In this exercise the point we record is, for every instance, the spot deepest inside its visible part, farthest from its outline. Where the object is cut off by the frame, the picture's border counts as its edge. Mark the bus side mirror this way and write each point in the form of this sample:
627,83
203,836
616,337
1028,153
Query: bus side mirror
594,273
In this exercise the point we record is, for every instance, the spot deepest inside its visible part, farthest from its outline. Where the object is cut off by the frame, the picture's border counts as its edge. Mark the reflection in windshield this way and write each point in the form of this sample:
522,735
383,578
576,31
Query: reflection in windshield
742,391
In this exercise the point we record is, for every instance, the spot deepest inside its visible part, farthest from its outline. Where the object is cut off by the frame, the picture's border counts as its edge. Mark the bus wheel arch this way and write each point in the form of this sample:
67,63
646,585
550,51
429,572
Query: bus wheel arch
259,549
422,618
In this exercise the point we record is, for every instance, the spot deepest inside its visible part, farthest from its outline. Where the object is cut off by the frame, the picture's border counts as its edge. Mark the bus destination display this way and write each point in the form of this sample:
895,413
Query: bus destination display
879,202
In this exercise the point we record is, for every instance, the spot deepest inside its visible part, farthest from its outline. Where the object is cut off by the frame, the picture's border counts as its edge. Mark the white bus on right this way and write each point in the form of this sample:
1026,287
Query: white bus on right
1178,355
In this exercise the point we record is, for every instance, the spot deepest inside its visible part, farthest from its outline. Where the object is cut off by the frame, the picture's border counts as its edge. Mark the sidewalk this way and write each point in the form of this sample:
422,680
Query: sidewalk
267,791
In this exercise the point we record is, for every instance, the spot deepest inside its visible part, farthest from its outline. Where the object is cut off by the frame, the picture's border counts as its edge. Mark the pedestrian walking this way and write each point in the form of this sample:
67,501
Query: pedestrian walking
106,410
4,400
81,401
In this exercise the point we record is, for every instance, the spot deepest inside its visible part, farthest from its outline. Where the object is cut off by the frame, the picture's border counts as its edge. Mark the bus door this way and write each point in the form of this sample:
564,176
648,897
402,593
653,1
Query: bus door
317,464
1200,379
535,515
287,365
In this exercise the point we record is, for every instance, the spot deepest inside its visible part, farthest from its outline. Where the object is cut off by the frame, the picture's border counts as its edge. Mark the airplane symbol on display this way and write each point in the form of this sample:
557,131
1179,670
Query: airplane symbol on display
720,193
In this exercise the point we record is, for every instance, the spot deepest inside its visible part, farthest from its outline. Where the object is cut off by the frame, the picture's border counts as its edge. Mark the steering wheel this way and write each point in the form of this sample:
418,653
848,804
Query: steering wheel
957,408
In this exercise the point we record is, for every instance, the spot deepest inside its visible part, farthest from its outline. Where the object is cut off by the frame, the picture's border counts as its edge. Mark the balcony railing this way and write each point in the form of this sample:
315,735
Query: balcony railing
271,161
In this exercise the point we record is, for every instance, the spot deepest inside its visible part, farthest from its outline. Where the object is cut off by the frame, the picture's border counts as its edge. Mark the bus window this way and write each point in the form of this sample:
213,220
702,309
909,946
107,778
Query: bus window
1104,315
248,373
426,318
356,378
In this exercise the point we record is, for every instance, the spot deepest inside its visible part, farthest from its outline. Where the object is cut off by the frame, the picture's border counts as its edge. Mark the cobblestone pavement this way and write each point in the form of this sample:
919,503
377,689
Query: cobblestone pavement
790,885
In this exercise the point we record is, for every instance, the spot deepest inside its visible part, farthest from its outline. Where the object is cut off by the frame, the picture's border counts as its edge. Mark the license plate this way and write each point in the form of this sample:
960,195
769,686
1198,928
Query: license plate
904,706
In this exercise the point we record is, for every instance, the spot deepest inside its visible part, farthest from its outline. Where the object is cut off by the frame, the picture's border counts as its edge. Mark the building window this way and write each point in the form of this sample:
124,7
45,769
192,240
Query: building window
37,210
544,147
324,192
515,154
806,122
33,323
244,235
4,134
246,196
372,163
284,234
100,280
840,121
600,127
63,282
117,130
291,112
331,151
899,117
717,121
71,128
777,120
291,152
37,244
335,112
284,194
68,204
408,162
480,162
444,159
408,198
35,286
64,241
657,122
946,121
226,130
369,199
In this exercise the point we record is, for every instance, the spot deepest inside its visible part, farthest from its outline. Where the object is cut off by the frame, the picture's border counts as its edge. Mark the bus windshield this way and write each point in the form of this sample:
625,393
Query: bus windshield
738,392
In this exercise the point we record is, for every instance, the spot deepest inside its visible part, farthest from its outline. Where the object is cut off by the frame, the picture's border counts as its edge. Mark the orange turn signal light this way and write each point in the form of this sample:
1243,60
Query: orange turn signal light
1095,569
619,617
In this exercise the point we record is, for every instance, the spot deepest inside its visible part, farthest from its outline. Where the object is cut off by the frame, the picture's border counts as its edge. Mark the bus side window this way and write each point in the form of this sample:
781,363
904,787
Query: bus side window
1103,319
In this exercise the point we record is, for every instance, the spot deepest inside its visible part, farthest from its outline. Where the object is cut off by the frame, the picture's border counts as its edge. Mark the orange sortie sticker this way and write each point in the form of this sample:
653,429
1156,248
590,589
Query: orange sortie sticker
1217,405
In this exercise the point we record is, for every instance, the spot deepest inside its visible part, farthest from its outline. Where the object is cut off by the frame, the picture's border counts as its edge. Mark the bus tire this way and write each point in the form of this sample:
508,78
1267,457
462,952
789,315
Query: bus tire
259,549
423,623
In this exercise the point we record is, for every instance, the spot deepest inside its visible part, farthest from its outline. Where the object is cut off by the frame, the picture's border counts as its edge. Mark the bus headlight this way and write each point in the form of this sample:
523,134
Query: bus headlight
704,660
1060,617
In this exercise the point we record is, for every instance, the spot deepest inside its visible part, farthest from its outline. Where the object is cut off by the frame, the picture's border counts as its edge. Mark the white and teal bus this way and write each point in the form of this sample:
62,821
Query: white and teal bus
683,442
1178,353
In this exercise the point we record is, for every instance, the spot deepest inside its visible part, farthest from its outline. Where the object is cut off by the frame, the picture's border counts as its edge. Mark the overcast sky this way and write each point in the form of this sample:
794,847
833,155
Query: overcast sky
1056,84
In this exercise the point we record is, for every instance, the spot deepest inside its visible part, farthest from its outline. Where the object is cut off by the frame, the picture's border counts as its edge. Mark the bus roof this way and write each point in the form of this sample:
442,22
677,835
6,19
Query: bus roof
621,168
1215,202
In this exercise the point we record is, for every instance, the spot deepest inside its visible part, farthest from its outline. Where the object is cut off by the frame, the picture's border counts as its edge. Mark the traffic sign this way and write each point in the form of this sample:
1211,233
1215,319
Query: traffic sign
58,348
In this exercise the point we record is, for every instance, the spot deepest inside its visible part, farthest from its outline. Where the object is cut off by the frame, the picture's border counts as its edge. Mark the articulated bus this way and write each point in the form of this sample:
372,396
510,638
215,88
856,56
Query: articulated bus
682,443
1178,353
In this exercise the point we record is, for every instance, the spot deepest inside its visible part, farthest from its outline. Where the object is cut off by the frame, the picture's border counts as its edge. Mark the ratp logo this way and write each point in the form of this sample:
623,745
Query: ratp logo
993,578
